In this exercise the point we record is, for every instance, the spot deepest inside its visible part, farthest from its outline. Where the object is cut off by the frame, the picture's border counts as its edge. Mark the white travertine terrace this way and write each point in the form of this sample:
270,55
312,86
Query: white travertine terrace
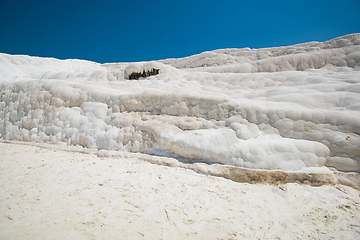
288,108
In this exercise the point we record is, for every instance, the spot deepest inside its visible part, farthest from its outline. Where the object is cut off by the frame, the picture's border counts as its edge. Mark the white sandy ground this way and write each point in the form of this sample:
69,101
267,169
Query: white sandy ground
53,194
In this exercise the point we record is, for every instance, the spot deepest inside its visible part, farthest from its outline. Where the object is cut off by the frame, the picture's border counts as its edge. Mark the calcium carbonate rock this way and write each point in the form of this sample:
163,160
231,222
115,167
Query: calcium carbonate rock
288,108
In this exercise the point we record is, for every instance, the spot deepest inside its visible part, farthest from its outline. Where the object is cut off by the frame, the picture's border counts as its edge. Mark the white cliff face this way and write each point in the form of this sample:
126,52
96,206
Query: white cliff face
286,108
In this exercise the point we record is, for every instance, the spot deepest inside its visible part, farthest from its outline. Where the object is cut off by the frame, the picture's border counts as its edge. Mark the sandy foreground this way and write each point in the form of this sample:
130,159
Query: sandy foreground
54,194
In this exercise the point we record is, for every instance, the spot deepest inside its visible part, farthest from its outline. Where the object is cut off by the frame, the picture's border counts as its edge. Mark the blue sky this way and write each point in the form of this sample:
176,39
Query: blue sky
127,31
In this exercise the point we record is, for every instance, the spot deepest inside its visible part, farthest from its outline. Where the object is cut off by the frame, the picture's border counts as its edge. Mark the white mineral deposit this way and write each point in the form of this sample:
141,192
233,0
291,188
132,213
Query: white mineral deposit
226,144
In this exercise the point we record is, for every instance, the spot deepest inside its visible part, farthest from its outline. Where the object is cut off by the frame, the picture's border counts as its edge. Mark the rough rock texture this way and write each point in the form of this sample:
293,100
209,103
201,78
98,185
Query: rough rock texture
286,108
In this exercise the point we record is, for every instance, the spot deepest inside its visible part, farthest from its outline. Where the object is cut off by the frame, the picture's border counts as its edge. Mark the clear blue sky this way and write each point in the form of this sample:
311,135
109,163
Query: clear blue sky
124,31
